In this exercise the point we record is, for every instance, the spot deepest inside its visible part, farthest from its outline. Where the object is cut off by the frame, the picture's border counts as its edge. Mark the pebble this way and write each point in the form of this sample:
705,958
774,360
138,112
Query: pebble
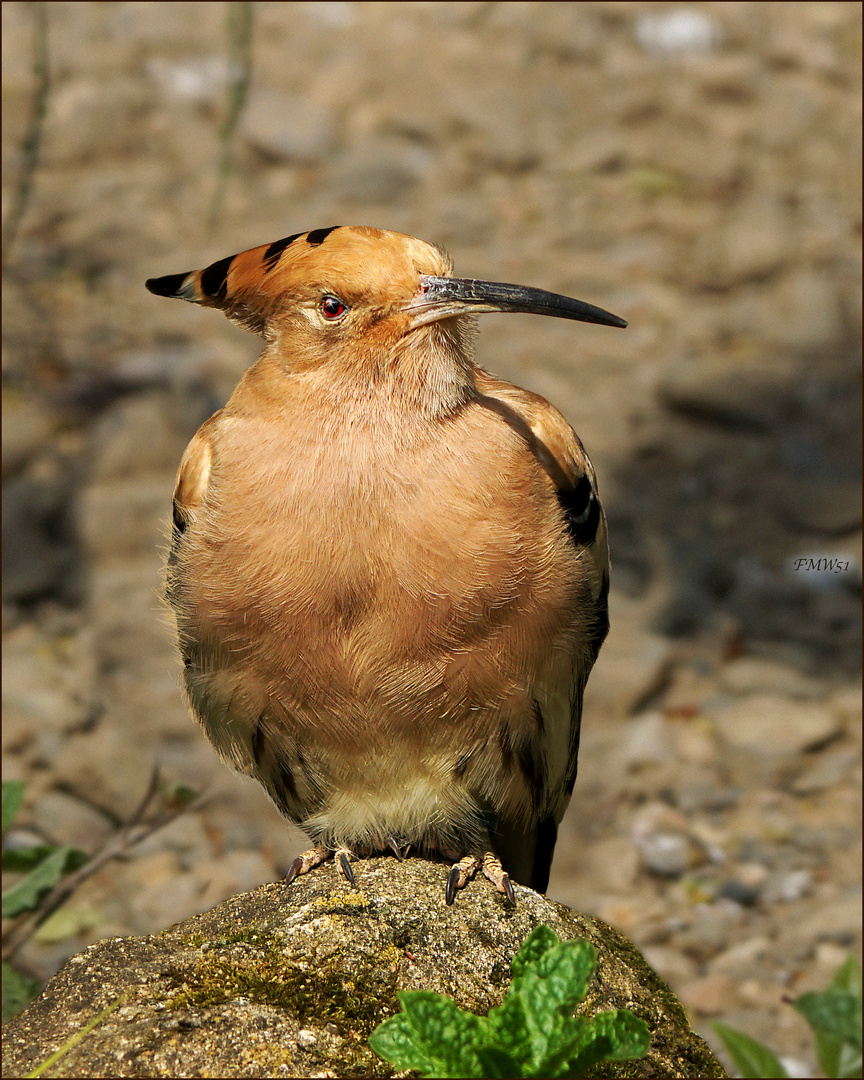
836,920
711,928
613,864
830,768
812,310
630,667
742,957
201,80
40,556
27,425
752,675
68,820
231,873
159,892
141,528
135,436
647,741
671,965
288,127
668,854
710,995
787,886
772,726
680,31
741,893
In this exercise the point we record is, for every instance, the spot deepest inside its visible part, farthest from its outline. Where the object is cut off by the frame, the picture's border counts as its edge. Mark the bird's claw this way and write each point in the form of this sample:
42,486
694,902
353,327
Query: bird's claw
462,872
345,867
306,862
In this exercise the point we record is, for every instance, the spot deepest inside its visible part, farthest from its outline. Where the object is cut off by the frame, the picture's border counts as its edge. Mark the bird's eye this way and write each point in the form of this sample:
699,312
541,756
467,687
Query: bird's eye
332,307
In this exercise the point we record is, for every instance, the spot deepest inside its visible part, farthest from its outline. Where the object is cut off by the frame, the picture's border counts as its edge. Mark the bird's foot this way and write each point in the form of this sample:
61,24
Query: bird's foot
398,849
317,855
462,872
320,854
308,861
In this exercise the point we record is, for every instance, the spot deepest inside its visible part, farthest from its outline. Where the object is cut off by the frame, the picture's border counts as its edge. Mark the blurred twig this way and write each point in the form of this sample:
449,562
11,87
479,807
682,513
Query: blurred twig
239,31
33,132
131,833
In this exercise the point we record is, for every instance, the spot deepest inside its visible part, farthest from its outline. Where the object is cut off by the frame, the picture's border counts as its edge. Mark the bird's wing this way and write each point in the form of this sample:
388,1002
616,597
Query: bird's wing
193,475
557,448
190,488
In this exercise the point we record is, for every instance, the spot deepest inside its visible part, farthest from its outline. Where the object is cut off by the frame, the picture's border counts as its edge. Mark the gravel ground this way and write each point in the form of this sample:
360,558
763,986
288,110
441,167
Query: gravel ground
695,169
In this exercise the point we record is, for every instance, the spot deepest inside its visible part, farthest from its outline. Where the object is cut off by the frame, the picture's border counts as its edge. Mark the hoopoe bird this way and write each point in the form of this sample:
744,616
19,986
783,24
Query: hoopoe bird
389,568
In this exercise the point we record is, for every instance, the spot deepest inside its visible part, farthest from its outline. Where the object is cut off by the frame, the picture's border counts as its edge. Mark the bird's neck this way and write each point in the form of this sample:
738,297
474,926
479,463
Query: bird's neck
426,375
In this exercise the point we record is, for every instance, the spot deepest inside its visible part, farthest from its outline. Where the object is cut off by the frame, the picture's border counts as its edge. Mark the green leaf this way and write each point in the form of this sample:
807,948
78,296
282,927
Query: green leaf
833,1012
837,1058
566,971
609,1036
848,977
68,922
18,991
25,896
20,860
627,1032
13,796
545,994
572,1046
750,1057
559,979
432,1035
179,795
531,1034
510,1030
496,1062
396,1042
534,948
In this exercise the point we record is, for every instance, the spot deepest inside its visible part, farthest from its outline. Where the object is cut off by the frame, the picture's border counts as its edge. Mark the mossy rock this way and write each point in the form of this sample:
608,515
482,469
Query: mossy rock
291,981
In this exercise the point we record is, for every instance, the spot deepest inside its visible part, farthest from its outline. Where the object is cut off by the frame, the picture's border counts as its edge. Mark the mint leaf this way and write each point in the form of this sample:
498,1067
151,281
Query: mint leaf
432,1035
837,1058
531,1034
848,977
529,1023
534,948
510,1029
496,1062
628,1034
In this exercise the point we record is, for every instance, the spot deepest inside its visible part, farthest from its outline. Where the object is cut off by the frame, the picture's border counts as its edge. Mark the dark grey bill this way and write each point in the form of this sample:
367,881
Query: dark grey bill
479,296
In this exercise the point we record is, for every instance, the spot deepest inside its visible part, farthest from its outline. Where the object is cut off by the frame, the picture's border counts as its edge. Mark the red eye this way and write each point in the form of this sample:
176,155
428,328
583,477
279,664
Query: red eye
332,307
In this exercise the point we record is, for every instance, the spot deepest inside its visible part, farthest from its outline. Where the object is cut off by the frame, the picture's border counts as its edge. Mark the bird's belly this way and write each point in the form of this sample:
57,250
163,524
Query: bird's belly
379,669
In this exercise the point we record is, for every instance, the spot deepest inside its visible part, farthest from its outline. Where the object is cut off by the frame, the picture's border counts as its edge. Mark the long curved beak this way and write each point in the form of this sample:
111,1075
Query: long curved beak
444,297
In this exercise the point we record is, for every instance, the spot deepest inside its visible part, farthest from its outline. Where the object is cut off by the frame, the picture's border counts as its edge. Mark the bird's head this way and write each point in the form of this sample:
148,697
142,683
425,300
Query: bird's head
333,296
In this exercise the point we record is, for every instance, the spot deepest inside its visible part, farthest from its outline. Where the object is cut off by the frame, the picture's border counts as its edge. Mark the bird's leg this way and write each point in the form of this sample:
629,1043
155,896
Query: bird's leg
460,874
308,861
494,871
320,854
342,858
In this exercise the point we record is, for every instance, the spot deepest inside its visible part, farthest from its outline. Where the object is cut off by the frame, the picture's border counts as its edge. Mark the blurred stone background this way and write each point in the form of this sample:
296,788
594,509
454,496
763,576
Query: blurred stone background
694,168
